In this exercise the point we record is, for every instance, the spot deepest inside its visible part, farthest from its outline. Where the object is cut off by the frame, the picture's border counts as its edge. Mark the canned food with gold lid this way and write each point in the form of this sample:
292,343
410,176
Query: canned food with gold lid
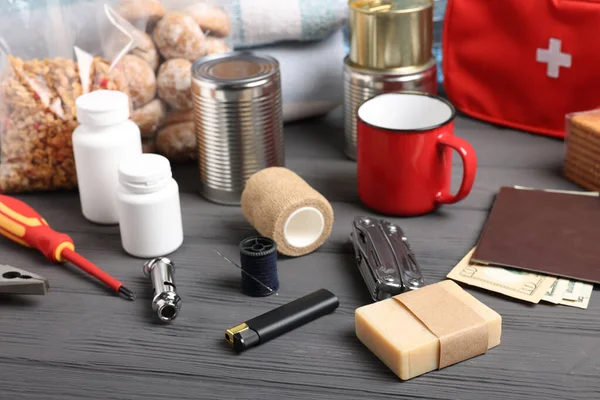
390,34
391,43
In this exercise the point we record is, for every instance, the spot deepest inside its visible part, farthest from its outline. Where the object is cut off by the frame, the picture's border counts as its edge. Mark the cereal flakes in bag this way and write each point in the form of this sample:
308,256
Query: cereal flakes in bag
39,83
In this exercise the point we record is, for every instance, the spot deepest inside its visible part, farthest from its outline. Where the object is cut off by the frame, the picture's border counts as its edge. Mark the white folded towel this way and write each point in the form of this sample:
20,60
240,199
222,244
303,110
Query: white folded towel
311,75
259,22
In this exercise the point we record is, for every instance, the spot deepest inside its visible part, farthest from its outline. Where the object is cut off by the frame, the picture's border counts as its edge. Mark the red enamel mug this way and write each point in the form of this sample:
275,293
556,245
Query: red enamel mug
404,154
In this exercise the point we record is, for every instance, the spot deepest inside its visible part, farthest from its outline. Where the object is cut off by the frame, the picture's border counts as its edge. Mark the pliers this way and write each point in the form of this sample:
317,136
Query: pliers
18,281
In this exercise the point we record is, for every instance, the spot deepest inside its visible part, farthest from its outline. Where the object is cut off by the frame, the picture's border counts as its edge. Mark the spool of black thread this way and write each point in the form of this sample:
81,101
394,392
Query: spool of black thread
258,256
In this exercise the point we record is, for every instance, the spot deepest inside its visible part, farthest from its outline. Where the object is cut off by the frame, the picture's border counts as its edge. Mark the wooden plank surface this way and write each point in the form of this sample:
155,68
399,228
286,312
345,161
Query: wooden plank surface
80,341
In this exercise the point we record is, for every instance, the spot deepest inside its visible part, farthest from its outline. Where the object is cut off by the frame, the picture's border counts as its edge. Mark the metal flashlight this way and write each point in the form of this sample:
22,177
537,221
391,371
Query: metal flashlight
165,301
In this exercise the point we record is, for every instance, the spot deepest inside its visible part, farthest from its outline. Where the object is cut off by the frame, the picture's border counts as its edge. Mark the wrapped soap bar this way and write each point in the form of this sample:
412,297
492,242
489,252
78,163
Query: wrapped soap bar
427,329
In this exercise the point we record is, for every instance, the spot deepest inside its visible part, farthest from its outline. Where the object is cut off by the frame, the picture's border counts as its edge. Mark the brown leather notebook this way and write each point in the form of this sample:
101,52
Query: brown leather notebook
551,233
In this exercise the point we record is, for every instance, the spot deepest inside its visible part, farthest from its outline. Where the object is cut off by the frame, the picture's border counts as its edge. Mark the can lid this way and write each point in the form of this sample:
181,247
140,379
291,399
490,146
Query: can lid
393,6
144,170
234,68
102,107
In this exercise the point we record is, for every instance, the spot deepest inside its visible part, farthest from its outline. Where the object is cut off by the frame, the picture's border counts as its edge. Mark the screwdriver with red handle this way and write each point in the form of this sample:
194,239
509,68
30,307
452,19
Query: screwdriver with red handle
22,224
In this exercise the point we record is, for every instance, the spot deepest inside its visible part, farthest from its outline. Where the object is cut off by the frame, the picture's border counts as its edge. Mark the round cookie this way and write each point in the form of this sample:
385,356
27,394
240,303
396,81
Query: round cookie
150,117
212,19
174,83
177,116
141,80
177,142
141,12
215,45
145,49
178,36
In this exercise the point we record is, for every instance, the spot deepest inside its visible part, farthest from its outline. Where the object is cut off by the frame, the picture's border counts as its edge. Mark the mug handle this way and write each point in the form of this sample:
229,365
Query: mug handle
469,159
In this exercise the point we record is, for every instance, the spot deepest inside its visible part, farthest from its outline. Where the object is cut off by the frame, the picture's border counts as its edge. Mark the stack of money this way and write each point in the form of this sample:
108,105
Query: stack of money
523,285
582,157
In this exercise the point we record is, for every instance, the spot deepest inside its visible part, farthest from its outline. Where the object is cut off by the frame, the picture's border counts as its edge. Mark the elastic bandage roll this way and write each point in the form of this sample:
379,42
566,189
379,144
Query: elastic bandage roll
282,206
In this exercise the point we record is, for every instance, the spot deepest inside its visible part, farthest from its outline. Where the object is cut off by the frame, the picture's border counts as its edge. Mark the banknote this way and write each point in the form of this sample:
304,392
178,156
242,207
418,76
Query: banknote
572,292
519,284
584,291
556,291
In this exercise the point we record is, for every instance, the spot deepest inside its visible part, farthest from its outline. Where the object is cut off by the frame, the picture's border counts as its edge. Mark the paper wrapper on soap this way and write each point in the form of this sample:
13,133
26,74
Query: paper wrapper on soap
427,329
282,206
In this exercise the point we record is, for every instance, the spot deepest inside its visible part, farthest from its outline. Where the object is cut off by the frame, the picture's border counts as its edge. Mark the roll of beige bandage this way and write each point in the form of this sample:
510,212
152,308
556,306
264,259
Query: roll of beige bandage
282,206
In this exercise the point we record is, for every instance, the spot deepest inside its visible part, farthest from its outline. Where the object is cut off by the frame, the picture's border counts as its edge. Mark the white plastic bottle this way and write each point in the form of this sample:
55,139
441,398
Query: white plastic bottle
149,210
103,139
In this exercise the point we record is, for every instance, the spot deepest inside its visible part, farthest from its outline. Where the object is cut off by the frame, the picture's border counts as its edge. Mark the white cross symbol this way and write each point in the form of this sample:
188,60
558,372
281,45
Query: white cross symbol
554,58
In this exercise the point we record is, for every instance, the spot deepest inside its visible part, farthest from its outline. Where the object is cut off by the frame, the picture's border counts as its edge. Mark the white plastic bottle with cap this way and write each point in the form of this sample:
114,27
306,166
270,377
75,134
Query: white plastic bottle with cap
149,210
103,139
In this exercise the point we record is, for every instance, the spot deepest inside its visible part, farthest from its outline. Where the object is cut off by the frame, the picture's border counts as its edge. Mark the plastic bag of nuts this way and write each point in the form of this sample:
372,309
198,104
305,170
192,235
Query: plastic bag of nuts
141,47
171,34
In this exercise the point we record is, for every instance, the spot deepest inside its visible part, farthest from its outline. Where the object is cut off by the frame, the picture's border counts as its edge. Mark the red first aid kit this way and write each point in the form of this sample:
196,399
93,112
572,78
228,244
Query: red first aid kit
522,63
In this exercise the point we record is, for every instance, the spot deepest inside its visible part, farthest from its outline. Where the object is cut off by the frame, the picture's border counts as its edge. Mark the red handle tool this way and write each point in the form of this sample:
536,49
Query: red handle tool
22,224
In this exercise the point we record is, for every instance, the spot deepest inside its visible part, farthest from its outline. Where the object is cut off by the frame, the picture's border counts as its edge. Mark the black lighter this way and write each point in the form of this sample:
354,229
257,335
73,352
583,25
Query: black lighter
281,320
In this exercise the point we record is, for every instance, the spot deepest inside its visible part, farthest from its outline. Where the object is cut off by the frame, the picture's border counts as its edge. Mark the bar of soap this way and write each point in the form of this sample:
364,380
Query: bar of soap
404,343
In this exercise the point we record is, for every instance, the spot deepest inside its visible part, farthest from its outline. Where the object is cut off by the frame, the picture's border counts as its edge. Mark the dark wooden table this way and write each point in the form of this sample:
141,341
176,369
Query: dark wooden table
81,342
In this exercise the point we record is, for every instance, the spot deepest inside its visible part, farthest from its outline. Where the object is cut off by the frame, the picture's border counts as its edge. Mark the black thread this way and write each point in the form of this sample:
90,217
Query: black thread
258,256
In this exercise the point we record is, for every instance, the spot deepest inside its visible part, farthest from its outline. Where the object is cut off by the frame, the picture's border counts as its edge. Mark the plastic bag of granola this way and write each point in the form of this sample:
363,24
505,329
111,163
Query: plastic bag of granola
52,51
49,57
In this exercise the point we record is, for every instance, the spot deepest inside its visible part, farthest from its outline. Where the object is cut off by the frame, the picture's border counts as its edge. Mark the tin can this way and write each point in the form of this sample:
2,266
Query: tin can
391,49
360,84
390,34
239,121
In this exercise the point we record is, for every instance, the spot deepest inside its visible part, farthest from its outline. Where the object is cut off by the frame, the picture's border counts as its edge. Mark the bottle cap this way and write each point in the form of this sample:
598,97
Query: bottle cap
102,107
145,172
